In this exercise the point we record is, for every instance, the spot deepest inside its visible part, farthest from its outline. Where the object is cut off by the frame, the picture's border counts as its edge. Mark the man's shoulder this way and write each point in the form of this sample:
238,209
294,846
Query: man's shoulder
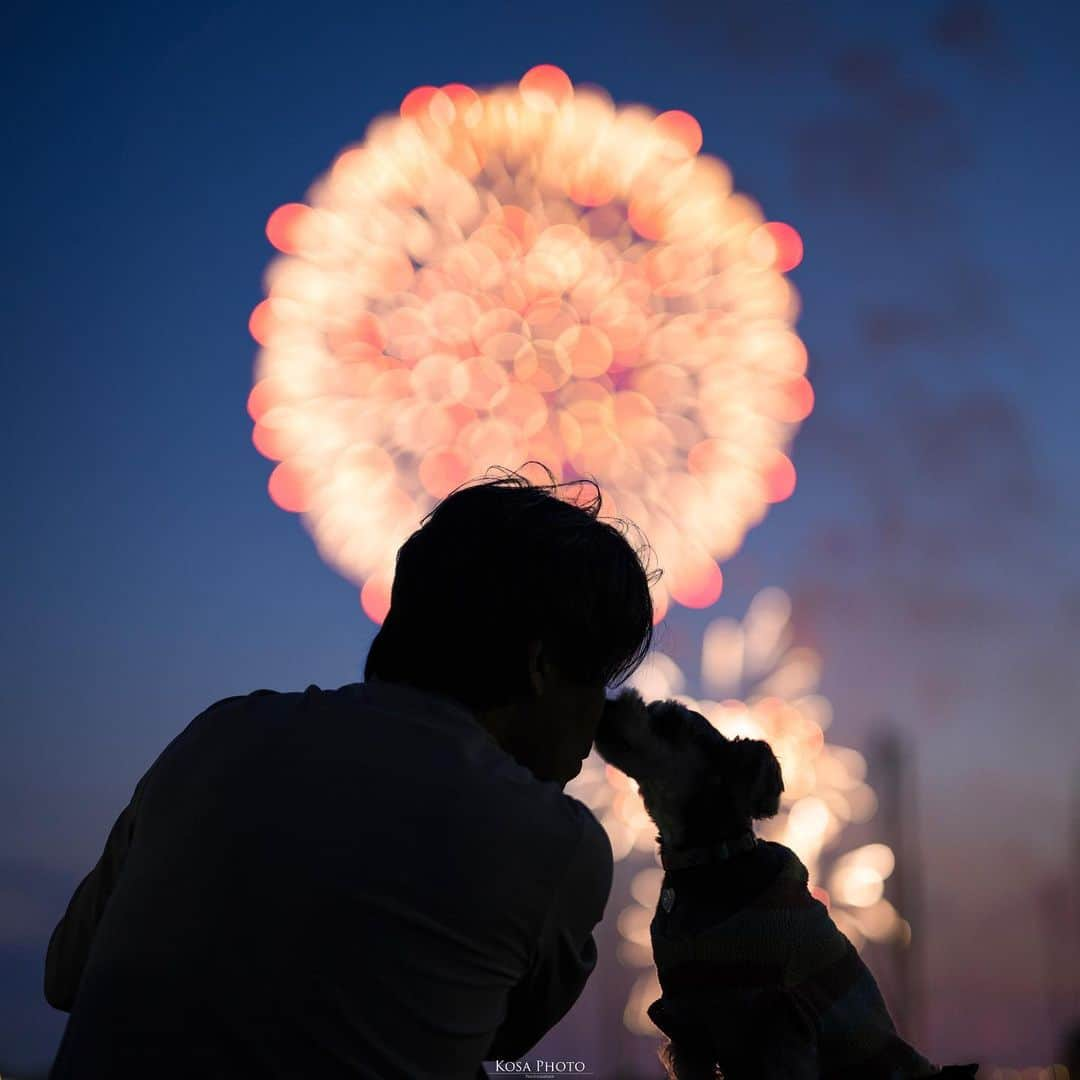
594,846
264,700
586,856
541,809
592,835
541,816
251,697
541,833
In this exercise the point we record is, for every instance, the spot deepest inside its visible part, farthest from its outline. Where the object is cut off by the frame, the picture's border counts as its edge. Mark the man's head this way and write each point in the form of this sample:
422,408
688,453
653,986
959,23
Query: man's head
524,607
551,732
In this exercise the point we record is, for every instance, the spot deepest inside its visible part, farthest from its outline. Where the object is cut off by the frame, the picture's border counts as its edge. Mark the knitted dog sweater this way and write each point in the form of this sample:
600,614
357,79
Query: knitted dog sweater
751,963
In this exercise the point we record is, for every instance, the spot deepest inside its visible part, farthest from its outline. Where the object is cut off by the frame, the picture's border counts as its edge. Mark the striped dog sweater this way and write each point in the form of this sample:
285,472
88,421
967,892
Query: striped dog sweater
754,970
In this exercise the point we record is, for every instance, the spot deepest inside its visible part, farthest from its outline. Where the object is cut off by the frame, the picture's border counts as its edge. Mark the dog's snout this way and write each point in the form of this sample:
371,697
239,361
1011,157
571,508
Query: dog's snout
606,728
619,720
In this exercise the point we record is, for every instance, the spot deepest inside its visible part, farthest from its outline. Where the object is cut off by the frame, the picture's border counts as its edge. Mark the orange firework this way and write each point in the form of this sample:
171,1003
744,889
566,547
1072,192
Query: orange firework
529,273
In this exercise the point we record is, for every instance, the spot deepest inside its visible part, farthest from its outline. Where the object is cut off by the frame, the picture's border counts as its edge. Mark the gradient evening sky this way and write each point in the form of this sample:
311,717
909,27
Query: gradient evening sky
925,152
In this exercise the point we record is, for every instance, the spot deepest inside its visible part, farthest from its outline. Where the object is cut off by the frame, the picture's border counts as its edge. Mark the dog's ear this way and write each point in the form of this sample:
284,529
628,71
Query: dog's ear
755,777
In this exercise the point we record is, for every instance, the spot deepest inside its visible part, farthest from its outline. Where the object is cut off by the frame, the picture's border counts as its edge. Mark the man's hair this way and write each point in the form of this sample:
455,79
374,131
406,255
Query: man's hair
499,563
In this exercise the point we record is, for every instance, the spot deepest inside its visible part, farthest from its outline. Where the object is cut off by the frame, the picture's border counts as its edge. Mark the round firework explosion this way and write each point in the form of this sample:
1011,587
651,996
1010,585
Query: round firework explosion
529,273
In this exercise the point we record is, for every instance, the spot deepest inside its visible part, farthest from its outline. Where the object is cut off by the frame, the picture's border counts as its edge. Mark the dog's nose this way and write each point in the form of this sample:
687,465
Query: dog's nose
605,728
609,735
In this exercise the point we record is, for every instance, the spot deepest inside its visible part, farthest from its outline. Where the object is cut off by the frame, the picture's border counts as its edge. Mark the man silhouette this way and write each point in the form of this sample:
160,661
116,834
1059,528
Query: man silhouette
384,880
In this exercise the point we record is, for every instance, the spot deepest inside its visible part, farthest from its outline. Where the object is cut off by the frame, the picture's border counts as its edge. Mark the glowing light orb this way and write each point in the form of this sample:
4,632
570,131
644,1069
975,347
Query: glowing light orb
778,245
285,224
529,273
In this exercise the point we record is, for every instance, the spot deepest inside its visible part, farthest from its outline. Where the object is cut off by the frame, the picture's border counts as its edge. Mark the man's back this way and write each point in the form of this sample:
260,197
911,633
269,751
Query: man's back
357,882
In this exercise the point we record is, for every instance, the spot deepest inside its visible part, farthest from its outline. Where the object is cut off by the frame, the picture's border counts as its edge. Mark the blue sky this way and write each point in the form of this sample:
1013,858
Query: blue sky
924,153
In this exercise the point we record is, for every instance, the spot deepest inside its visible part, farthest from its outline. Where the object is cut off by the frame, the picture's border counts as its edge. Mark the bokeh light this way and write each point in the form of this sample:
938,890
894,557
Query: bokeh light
529,273
778,245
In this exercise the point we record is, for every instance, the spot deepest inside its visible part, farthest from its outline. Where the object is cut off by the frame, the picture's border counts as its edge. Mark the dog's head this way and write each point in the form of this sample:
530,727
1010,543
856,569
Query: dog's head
692,779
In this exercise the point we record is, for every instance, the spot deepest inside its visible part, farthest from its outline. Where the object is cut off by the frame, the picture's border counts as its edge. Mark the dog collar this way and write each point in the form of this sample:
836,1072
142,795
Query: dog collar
698,856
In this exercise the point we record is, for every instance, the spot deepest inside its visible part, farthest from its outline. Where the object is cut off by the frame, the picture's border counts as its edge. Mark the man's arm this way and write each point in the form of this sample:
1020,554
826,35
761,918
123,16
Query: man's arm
566,953
70,943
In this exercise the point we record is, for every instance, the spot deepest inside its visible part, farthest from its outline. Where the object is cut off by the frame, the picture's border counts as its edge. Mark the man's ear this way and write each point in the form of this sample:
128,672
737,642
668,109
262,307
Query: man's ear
756,778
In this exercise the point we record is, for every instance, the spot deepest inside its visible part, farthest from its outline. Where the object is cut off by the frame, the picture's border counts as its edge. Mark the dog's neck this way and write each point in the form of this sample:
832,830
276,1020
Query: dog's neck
688,853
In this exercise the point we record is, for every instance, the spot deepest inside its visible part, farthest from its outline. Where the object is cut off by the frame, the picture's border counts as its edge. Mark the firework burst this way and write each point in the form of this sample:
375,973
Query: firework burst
529,273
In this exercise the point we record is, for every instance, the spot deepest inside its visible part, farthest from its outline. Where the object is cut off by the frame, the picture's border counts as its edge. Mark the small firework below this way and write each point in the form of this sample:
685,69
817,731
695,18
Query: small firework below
529,273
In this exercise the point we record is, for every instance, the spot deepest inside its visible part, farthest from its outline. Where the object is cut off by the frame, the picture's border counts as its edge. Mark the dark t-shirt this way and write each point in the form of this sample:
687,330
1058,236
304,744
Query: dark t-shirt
340,883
